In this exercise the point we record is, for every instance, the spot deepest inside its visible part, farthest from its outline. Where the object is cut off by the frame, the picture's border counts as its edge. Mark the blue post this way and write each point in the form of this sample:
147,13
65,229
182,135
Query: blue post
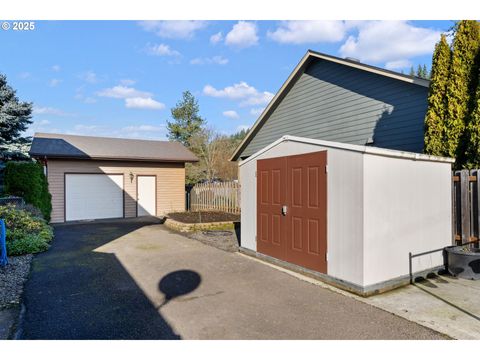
3,244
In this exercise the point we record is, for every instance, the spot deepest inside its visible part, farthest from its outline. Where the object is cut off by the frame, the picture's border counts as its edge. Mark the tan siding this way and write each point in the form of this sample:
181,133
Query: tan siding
170,183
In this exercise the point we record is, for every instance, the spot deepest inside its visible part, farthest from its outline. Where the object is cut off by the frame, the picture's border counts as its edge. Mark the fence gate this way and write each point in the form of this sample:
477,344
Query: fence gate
465,200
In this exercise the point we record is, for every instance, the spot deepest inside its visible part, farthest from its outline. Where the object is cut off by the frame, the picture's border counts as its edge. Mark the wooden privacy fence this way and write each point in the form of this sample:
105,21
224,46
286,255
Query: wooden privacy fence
224,196
466,203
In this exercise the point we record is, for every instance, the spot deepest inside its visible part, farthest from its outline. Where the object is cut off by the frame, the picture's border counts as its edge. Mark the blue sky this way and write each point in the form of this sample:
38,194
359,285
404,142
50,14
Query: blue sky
120,78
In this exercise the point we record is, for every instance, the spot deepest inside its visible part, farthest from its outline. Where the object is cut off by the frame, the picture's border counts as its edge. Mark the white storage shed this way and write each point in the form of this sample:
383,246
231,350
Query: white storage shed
347,214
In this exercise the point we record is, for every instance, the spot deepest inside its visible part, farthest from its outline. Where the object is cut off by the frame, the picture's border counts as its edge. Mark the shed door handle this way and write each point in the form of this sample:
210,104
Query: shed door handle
284,210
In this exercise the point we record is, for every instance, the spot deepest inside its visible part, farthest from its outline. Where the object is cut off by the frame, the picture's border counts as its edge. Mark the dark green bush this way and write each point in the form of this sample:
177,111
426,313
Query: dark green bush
26,233
26,179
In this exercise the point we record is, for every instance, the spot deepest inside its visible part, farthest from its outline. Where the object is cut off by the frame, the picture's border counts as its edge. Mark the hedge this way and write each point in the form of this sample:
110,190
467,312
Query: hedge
26,179
26,232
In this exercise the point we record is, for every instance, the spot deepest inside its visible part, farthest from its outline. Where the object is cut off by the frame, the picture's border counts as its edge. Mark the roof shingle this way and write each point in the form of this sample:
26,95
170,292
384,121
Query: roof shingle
105,148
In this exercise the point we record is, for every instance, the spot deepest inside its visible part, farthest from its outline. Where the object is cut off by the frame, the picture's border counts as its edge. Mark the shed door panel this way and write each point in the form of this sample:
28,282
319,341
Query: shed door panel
300,183
271,184
307,210
93,196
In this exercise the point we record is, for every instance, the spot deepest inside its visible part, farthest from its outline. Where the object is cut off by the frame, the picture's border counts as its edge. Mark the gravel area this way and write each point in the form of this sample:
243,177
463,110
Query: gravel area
221,239
12,278
195,217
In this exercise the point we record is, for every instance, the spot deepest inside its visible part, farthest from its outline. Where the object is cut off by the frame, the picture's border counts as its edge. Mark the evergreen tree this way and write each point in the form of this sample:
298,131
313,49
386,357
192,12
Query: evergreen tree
426,75
461,85
473,134
15,116
435,117
187,121
412,71
420,72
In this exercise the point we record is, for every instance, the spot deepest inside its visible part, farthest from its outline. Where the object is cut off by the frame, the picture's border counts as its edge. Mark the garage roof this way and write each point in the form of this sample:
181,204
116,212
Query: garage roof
105,148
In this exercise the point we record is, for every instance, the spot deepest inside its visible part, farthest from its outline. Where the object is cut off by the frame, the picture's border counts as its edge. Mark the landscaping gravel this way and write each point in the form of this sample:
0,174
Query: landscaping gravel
224,240
12,278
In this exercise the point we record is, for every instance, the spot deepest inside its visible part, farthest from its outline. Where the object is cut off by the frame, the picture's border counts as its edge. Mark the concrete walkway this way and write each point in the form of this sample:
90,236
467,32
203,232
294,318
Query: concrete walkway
137,280
443,303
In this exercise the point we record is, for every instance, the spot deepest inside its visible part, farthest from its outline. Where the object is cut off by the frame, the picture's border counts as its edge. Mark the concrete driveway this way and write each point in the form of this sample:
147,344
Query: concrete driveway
134,279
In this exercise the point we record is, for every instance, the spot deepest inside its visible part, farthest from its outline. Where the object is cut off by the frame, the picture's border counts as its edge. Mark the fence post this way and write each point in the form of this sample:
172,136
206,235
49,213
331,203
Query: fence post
465,204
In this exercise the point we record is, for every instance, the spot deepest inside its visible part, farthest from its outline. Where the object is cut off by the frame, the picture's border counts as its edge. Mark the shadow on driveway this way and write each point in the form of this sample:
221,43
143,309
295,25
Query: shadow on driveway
76,293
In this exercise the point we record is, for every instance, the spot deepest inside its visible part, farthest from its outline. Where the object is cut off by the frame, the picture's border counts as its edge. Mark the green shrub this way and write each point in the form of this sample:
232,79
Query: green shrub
26,233
26,179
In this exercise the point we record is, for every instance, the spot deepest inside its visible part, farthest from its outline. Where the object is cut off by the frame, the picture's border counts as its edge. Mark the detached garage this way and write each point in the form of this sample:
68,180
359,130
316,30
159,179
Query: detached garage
102,178
348,214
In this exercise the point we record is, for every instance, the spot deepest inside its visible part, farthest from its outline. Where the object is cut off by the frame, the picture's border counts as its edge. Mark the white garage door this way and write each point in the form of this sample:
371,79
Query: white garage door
93,196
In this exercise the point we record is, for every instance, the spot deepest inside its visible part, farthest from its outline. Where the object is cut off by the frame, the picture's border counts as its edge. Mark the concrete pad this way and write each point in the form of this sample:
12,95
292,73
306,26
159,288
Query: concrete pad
444,303
135,279
241,298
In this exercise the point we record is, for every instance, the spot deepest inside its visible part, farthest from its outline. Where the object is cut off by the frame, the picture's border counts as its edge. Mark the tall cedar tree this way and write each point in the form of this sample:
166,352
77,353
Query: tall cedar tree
187,121
461,85
437,106
15,116
473,133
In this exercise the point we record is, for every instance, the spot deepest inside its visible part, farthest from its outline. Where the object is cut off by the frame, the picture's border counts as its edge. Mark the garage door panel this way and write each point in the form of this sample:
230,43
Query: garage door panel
93,196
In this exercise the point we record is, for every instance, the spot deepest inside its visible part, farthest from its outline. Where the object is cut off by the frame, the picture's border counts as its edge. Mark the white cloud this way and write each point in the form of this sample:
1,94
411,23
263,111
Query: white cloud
313,31
216,38
398,64
161,50
232,114
242,35
54,82
40,110
181,29
389,41
123,92
127,82
89,77
134,99
143,103
256,111
56,68
219,60
241,91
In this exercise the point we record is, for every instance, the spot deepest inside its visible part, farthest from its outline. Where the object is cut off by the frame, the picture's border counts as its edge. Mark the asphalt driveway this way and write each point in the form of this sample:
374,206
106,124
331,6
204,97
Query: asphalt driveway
134,279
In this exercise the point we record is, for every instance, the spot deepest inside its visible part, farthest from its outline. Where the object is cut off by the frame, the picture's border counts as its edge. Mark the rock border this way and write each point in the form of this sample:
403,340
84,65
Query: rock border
192,227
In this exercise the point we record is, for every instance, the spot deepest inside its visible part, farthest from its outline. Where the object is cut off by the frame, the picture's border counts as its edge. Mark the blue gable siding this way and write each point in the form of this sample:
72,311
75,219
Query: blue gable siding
330,101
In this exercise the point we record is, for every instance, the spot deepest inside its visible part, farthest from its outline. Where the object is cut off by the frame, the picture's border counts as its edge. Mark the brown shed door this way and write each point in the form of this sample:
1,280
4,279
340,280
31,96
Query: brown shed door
298,236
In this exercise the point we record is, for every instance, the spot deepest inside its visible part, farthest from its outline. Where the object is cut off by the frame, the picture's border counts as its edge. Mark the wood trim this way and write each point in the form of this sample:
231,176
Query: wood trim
87,173
156,192
470,178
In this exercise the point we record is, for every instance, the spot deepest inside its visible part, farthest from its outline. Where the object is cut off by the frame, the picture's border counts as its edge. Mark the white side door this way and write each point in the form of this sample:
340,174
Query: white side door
146,195
93,196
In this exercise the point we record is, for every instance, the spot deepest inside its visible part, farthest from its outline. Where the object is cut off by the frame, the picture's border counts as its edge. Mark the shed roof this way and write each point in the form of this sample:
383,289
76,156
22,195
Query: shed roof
350,147
297,72
106,148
